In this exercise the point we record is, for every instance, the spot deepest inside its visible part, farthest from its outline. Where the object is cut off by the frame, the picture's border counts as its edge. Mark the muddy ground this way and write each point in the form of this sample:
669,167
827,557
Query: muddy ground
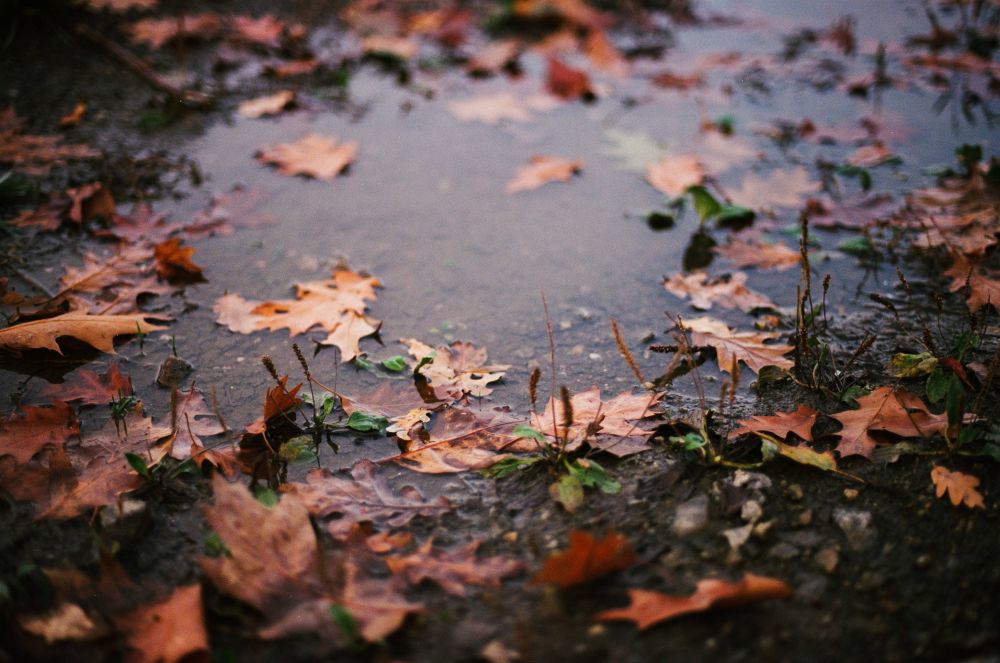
880,567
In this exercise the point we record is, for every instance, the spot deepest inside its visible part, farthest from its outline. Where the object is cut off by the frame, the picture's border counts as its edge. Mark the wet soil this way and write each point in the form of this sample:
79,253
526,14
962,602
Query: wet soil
880,569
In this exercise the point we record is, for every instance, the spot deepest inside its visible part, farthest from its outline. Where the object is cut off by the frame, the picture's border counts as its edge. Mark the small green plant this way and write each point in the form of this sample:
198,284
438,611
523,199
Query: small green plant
120,409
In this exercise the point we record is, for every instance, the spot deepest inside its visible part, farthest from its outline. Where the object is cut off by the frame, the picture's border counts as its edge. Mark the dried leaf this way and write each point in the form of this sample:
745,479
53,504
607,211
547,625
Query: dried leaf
34,155
648,608
158,31
566,82
493,108
542,170
173,262
312,155
586,559
190,420
747,347
265,30
460,440
456,370
98,331
779,188
453,569
961,488
73,118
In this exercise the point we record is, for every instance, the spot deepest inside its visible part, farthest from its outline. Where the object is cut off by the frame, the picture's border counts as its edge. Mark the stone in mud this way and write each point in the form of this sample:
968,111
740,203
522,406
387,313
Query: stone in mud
691,516
857,527
172,371
125,520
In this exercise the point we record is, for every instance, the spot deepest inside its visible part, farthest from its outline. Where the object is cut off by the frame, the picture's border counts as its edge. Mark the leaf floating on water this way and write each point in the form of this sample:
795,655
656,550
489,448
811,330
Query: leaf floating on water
747,347
542,170
312,155
98,331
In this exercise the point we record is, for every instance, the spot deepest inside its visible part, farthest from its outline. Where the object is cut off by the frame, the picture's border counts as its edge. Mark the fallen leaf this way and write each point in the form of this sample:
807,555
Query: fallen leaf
271,104
870,156
672,80
365,497
173,262
265,30
120,6
612,426
73,118
292,68
90,388
851,212
312,155
403,48
166,631
728,291
586,558
34,155
747,347
885,409
983,289
459,440
191,419
390,400
604,55
673,175
158,31
566,82
240,206
456,370
648,608
336,306
541,170
961,487
494,57
453,569
98,331
65,621
782,424
779,188
763,255
634,150
494,108
90,201
36,428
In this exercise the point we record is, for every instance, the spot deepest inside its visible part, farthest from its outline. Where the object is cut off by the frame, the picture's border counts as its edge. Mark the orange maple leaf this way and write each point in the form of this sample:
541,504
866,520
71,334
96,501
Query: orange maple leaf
781,424
885,409
173,261
566,82
728,291
747,347
673,175
961,488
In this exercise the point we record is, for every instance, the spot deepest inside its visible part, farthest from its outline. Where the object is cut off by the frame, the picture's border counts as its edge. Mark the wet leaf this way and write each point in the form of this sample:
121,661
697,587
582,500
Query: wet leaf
36,428
779,188
586,558
312,155
453,569
169,630
158,31
904,365
335,306
898,412
456,370
800,454
961,488
271,104
191,419
34,155
90,388
728,291
648,608
566,82
781,424
495,108
763,255
613,426
747,347
458,441
365,497
98,331
568,491
673,175
367,423
173,262
542,170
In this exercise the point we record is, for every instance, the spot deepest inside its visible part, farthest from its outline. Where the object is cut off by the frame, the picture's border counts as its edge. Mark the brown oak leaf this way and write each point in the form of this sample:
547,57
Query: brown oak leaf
566,82
494,108
34,155
456,370
961,487
586,558
98,331
173,262
453,569
747,347
271,104
158,31
648,608
728,291
764,255
336,306
312,155
782,424
390,400
36,428
612,426
365,497
983,288
191,419
459,440
779,188
885,409
673,175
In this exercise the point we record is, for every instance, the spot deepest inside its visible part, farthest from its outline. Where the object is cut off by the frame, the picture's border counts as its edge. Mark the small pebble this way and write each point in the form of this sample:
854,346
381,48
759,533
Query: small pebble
851,494
594,356
510,537
806,517
794,492
828,559
923,561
